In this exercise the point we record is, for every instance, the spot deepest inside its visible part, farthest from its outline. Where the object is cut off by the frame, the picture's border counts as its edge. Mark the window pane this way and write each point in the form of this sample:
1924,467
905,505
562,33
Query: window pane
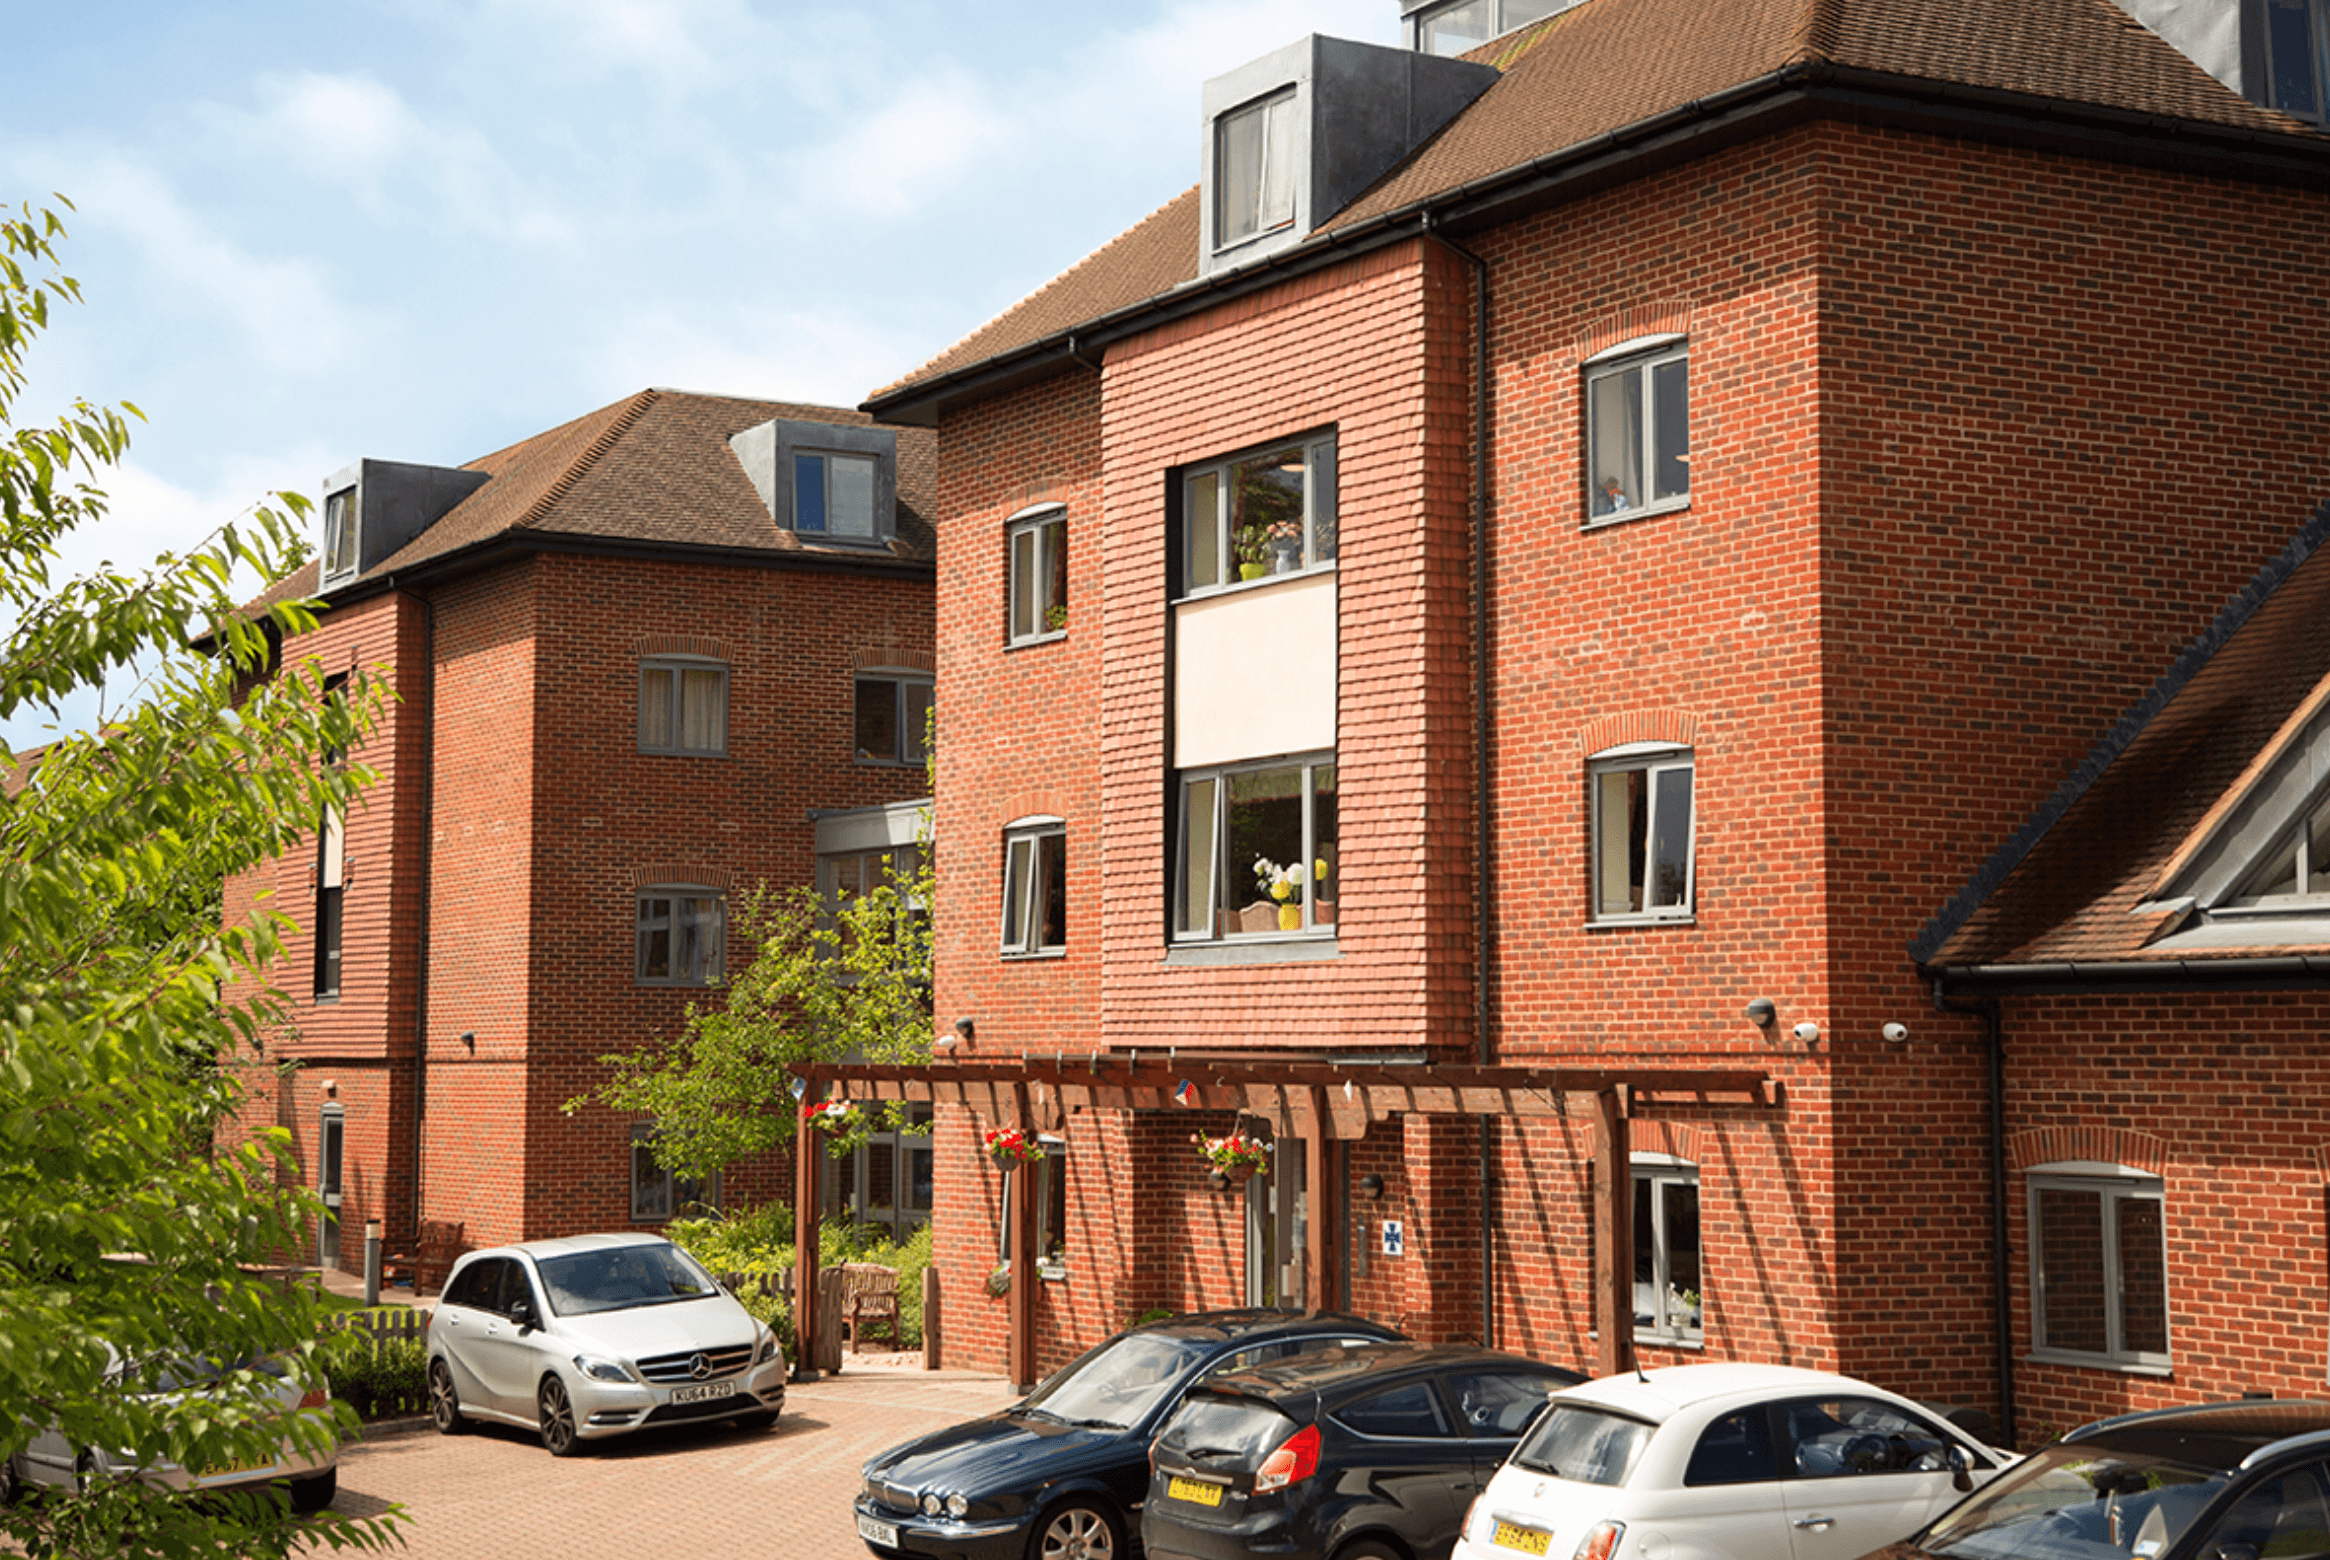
1025,610
917,696
1055,568
2071,1293
703,710
1265,819
1322,495
808,492
1646,1262
655,692
340,531
1326,861
2143,1276
1018,874
1520,13
1461,27
701,940
1736,1449
2318,854
1620,801
1614,442
650,1187
882,1180
1052,1210
1051,907
1670,849
1197,858
1410,1412
1201,526
331,865
1253,180
2289,41
1266,510
1679,1203
918,1175
877,719
1278,163
654,938
851,493
1670,399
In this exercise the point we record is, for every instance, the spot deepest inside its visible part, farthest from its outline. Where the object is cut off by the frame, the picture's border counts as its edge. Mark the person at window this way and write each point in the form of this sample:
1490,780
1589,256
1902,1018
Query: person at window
1613,496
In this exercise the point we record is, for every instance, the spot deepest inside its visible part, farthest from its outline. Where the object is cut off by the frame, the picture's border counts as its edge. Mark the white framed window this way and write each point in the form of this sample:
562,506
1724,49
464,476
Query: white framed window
2295,34
1038,542
682,936
1668,1284
892,713
1051,1173
657,1195
331,892
683,706
339,534
1638,432
1035,888
1254,516
1254,170
886,1180
1257,852
1463,25
836,495
1642,830
2298,868
2099,1265
847,875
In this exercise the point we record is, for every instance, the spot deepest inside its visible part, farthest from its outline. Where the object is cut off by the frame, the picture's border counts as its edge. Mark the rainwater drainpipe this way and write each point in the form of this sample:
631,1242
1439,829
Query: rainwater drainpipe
421,963
2001,1298
1482,861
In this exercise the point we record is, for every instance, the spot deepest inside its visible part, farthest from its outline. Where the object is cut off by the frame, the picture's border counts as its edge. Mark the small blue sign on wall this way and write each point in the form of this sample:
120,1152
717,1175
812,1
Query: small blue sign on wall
1395,1238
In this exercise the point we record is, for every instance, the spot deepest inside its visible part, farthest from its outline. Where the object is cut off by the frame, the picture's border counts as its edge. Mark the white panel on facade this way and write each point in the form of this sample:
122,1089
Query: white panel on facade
1254,672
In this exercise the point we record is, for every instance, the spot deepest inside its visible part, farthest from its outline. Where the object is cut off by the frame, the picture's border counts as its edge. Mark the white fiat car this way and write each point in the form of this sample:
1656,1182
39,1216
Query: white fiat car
593,1336
1723,1462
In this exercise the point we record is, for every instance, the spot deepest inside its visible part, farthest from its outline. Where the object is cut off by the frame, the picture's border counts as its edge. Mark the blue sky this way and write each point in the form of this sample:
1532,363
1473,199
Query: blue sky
424,229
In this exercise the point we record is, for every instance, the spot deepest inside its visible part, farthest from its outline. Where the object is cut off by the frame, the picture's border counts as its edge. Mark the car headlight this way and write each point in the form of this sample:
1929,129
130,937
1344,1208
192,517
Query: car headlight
932,1505
956,1506
600,1370
768,1349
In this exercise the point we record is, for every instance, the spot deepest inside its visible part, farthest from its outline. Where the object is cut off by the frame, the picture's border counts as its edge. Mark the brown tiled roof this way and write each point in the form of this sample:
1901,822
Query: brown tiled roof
1607,65
2067,888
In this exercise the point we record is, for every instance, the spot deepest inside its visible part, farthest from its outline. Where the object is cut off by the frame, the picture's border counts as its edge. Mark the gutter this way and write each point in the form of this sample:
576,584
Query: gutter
1801,90
2001,1290
2281,972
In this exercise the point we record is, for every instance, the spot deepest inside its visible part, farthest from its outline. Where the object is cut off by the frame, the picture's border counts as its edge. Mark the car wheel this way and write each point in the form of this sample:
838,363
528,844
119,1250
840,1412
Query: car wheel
1078,1530
556,1419
11,1486
313,1494
444,1400
1367,1549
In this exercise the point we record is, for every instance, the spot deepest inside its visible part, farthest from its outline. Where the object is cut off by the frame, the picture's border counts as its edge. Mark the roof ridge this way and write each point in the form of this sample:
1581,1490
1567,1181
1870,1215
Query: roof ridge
2237,612
580,467
1823,26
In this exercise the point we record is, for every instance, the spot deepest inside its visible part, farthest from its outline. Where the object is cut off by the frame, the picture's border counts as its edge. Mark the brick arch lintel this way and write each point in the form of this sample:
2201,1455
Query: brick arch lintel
1670,318
2104,1145
1680,727
894,658
683,644
1035,804
1042,490
656,874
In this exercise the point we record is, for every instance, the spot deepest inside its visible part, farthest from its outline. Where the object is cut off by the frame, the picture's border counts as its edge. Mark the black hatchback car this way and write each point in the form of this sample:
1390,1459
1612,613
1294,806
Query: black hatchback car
1060,1475
2218,1481
1347,1452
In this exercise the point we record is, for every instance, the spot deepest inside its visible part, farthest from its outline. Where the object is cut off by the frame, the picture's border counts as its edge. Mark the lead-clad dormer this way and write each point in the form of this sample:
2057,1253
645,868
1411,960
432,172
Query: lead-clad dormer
1295,136
373,508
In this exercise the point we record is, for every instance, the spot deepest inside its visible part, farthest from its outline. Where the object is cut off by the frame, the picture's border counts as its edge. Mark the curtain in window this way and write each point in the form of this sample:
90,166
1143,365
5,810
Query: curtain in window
655,693
852,495
703,709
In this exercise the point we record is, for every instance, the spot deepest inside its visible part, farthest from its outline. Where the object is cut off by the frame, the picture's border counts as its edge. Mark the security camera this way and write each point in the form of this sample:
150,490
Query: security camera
1897,1033
1808,1031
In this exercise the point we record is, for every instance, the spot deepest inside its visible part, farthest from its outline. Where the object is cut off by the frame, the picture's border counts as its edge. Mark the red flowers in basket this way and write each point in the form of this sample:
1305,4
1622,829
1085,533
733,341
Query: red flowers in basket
1006,1144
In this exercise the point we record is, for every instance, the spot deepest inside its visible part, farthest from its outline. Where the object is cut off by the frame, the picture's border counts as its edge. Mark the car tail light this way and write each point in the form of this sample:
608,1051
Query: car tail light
1601,1541
1295,1460
316,1397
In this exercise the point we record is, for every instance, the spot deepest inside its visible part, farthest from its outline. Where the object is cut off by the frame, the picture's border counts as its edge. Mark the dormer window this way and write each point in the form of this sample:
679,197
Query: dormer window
824,482
834,495
2300,869
1254,169
340,534
1459,26
375,508
2294,31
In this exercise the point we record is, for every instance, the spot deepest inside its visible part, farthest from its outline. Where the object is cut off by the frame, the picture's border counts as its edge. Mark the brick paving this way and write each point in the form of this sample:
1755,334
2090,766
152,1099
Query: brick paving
783,1493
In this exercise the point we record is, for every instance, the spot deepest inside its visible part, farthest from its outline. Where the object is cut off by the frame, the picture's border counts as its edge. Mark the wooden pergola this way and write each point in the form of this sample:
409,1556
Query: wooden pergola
1318,1102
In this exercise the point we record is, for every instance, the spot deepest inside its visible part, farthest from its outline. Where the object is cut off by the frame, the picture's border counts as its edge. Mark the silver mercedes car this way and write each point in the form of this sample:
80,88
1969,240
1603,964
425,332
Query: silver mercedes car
593,1336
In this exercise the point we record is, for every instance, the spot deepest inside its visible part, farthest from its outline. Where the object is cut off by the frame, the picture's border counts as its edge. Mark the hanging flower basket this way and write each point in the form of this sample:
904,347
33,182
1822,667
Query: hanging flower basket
999,1281
1231,1177
1009,1145
1236,1158
836,1116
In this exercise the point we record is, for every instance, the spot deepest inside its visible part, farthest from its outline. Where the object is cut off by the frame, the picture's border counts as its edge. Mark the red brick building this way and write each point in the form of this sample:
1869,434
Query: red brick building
642,663
1634,540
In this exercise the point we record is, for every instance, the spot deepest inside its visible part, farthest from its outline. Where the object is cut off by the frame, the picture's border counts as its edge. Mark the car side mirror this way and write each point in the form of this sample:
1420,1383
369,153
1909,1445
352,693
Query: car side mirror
1961,1473
522,1312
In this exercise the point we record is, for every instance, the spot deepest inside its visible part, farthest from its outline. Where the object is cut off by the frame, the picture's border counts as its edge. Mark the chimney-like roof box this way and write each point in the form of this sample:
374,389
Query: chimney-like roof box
1297,135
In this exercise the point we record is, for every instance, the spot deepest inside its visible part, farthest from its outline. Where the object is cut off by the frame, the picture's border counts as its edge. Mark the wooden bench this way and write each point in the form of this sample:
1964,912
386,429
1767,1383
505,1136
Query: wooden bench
869,1302
431,1257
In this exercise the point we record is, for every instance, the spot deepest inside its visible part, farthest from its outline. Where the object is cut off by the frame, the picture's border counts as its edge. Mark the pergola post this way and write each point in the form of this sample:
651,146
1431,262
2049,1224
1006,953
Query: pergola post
1326,1209
807,1151
1613,1240
1024,1280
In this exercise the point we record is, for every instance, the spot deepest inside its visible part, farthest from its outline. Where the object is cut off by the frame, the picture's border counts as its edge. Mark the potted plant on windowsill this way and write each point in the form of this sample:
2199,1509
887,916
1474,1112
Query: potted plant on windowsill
1236,1158
1285,542
1251,547
1282,891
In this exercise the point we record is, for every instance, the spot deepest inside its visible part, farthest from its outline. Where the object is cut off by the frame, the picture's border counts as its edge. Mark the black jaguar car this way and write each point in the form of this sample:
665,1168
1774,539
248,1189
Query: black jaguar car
1062,1474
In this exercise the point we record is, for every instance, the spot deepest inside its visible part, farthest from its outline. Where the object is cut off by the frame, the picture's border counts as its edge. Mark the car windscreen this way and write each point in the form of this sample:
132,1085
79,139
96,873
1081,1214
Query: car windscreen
1119,1382
1220,1427
620,1278
2074,1503
1582,1443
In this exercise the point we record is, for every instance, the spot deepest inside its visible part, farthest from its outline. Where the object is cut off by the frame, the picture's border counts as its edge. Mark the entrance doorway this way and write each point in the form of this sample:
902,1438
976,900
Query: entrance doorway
331,1141
1277,1227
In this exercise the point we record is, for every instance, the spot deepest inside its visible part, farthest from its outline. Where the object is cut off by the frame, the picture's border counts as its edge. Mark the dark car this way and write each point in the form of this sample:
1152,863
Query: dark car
1060,1475
2219,1481
1349,1452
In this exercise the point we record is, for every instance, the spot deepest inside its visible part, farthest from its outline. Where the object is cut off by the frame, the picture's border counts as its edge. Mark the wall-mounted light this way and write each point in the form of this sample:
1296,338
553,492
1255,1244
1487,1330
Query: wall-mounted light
968,1029
1371,1185
330,1087
1897,1033
1761,1013
469,1039
1808,1031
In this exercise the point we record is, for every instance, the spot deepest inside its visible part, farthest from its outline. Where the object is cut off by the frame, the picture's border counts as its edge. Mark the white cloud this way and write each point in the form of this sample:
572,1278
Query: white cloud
828,357
680,43
924,139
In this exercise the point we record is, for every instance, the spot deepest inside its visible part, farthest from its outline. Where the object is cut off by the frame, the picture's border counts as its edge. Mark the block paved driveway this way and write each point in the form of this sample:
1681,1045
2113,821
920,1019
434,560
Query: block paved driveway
783,1493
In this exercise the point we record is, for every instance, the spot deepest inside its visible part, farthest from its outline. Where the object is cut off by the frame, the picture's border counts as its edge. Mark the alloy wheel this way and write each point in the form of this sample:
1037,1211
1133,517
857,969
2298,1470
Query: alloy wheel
557,1418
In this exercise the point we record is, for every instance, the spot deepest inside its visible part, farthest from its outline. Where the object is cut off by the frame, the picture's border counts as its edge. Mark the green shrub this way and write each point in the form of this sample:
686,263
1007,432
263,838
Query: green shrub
756,1240
381,1378
760,1240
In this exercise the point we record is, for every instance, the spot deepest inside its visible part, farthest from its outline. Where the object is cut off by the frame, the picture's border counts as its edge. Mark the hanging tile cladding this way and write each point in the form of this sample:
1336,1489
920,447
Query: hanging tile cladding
1019,728
1377,350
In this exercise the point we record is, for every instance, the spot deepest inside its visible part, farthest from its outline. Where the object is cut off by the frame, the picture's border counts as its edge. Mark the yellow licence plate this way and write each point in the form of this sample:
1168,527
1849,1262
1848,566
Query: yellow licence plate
1205,1494
1527,1540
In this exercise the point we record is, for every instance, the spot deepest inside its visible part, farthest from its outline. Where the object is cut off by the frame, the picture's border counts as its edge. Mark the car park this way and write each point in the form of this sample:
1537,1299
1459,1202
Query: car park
593,1336
1061,1474
1346,1453
1724,1462
2221,1481
309,1477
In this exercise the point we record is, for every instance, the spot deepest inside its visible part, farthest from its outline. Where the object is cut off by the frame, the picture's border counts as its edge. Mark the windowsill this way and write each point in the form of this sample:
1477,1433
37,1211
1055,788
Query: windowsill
1230,247
1031,955
1259,582
869,543
1288,949
1604,522
1610,922
327,999
1051,637
1056,1274
2097,1362
1655,1341
676,985
866,761
683,752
